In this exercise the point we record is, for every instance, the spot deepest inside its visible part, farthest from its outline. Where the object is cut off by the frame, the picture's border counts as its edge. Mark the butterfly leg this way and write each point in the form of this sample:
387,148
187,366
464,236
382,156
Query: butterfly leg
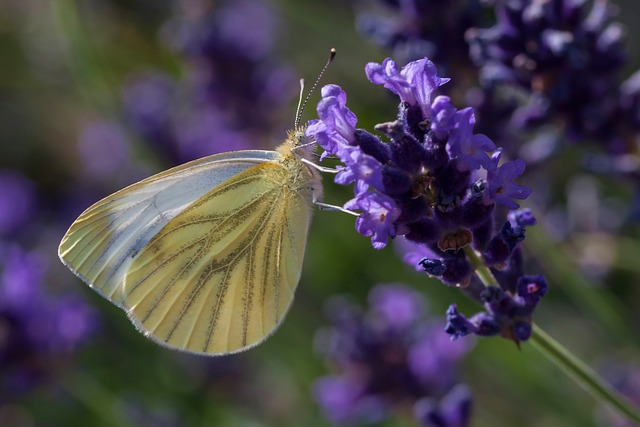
334,208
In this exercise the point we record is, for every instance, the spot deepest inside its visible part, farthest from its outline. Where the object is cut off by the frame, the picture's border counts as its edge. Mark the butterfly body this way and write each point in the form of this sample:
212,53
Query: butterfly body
204,257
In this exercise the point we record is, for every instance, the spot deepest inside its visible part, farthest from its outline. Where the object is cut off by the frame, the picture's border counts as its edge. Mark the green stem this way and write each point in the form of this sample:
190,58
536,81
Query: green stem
581,373
483,272
567,361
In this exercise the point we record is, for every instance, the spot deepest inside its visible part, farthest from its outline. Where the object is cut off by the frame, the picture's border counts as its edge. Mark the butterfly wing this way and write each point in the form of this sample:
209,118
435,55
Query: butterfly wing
221,275
101,244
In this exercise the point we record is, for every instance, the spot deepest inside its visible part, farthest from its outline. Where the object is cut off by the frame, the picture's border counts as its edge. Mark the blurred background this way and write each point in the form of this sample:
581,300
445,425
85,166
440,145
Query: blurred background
97,94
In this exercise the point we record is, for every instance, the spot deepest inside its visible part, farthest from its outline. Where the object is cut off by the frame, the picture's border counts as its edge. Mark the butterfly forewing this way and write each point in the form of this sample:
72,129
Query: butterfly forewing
100,244
220,276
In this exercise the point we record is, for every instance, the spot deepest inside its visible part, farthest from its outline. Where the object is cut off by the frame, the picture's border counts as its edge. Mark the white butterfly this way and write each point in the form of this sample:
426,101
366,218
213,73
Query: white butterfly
204,257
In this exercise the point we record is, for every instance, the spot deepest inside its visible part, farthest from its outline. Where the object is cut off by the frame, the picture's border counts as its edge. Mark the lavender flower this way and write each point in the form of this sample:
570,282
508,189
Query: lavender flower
454,410
379,215
389,356
563,54
437,184
17,201
37,329
414,29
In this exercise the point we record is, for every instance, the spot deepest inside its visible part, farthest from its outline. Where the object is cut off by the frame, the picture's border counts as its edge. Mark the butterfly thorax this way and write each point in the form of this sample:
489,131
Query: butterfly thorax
302,178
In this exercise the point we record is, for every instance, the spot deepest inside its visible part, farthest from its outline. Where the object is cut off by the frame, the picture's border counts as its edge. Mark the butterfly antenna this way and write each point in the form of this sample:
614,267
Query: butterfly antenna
302,104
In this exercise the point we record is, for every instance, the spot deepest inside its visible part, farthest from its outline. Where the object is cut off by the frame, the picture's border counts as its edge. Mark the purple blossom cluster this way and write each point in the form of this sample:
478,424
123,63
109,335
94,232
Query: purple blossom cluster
39,330
549,66
413,29
566,56
437,184
230,74
391,356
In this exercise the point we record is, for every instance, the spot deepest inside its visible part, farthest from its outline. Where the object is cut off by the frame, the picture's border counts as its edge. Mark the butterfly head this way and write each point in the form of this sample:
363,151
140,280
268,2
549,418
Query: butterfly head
298,136
297,143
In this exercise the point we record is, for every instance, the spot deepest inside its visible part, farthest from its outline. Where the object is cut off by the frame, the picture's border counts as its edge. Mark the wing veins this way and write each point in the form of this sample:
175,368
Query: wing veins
224,285
192,261
247,297
191,244
192,296
112,239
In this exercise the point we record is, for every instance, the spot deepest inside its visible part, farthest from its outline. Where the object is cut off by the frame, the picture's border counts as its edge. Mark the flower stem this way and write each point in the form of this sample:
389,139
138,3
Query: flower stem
483,272
567,361
582,374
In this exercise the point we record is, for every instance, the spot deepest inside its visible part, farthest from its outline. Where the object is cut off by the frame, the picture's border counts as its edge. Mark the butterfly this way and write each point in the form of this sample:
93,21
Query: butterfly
204,257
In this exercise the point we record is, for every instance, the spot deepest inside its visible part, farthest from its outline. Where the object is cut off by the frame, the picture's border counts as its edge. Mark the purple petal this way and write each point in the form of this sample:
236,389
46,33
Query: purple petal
399,306
379,212
413,84
413,252
501,187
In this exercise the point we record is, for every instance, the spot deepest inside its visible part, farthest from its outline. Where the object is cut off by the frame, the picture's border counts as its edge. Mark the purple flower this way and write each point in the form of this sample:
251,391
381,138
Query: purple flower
74,322
335,130
522,217
398,306
413,29
412,253
531,288
388,356
508,313
344,401
501,246
501,187
430,358
454,410
39,330
457,324
22,277
564,56
417,170
17,201
470,150
443,116
413,84
435,182
379,213
360,168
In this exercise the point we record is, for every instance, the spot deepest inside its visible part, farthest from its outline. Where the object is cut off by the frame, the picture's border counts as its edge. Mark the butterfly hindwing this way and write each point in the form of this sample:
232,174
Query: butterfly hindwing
220,276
